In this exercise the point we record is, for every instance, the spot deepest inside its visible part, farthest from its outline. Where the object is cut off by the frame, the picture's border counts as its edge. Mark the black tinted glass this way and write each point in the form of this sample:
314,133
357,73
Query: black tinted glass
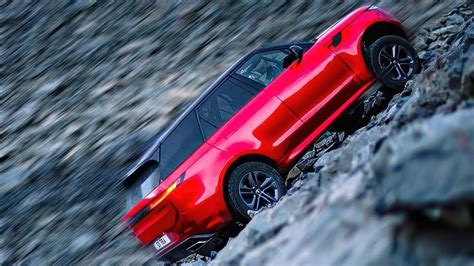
180,143
221,105
149,180
263,67
207,128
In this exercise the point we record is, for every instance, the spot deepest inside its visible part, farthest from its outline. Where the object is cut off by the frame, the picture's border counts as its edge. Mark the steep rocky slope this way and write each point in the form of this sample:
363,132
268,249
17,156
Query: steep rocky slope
84,84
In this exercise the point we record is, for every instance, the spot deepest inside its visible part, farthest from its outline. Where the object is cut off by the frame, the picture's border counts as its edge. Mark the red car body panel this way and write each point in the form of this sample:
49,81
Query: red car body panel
279,123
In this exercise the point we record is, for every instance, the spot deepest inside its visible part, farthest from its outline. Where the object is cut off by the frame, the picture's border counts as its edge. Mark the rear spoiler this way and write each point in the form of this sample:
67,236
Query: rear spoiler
150,155
128,178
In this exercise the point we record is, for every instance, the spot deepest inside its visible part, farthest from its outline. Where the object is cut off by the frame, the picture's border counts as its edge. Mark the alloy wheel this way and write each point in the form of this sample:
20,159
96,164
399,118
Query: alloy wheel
258,189
396,61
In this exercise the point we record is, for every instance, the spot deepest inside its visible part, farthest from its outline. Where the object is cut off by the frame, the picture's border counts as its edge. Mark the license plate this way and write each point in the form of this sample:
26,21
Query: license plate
162,242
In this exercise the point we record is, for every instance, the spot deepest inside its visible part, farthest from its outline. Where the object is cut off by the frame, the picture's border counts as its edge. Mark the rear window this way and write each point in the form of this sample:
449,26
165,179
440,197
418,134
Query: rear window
149,179
179,144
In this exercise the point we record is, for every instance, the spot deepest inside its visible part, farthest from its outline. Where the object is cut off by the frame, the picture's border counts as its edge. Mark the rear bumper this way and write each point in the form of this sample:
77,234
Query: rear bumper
201,244
155,222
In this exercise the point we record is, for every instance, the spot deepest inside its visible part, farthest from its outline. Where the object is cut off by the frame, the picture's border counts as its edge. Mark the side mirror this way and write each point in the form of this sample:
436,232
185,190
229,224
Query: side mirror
296,53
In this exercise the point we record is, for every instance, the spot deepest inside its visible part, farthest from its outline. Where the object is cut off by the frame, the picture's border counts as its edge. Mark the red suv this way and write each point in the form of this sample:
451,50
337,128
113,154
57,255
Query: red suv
228,152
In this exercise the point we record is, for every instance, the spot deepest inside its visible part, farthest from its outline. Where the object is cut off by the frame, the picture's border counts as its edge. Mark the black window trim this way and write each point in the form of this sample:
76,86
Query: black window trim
256,85
198,117
207,121
231,71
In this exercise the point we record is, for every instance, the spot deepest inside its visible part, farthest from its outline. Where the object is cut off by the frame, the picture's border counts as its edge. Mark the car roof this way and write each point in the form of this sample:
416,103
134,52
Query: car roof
169,128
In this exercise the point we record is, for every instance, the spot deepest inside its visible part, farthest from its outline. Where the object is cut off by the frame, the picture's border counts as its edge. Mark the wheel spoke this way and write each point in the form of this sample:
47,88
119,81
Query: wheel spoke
398,72
244,188
387,70
387,57
268,182
268,198
401,71
265,199
252,179
251,204
256,207
384,53
406,60
395,51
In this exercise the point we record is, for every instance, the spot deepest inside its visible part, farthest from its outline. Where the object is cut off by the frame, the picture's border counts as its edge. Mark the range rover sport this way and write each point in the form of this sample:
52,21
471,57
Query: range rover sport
228,152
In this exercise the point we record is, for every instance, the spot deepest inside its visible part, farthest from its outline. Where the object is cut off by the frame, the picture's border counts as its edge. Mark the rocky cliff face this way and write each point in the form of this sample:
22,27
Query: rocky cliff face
83,85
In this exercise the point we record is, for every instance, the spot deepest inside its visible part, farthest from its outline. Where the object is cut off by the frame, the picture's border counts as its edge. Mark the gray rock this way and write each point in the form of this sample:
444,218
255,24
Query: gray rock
13,179
419,43
84,241
360,239
264,226
447,29
467,79
437,152
455,19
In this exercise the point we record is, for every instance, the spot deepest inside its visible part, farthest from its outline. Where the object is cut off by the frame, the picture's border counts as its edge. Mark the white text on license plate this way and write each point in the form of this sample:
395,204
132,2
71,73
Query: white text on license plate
161,242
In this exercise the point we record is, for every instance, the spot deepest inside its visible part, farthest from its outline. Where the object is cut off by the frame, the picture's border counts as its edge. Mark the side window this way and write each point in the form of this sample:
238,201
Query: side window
179,144
221,105
263,67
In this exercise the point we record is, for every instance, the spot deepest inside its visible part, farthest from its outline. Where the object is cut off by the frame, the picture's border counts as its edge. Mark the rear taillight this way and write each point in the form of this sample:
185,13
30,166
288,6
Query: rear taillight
162,196
165,193
154,203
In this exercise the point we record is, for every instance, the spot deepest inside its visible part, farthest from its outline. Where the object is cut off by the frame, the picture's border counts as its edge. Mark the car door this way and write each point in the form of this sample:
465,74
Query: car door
240,87
316,87
258,122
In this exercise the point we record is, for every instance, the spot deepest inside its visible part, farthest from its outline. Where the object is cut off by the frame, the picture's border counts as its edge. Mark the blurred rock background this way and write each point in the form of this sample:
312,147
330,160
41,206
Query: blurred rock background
84,84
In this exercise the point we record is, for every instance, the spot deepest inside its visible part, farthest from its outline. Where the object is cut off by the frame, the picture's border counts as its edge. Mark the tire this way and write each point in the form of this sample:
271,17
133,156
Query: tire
240,192
393,61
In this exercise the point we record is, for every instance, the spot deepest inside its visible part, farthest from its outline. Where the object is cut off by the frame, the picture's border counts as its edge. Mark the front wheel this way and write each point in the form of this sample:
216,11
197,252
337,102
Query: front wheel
252,186
393,60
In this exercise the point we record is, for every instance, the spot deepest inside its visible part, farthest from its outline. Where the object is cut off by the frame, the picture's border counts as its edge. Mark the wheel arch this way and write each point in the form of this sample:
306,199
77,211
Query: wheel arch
376,31
239,161
245,159
380,29
251,158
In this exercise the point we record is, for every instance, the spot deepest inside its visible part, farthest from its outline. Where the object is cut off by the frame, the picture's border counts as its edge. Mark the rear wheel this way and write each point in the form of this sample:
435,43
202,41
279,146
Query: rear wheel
252,186
393,60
